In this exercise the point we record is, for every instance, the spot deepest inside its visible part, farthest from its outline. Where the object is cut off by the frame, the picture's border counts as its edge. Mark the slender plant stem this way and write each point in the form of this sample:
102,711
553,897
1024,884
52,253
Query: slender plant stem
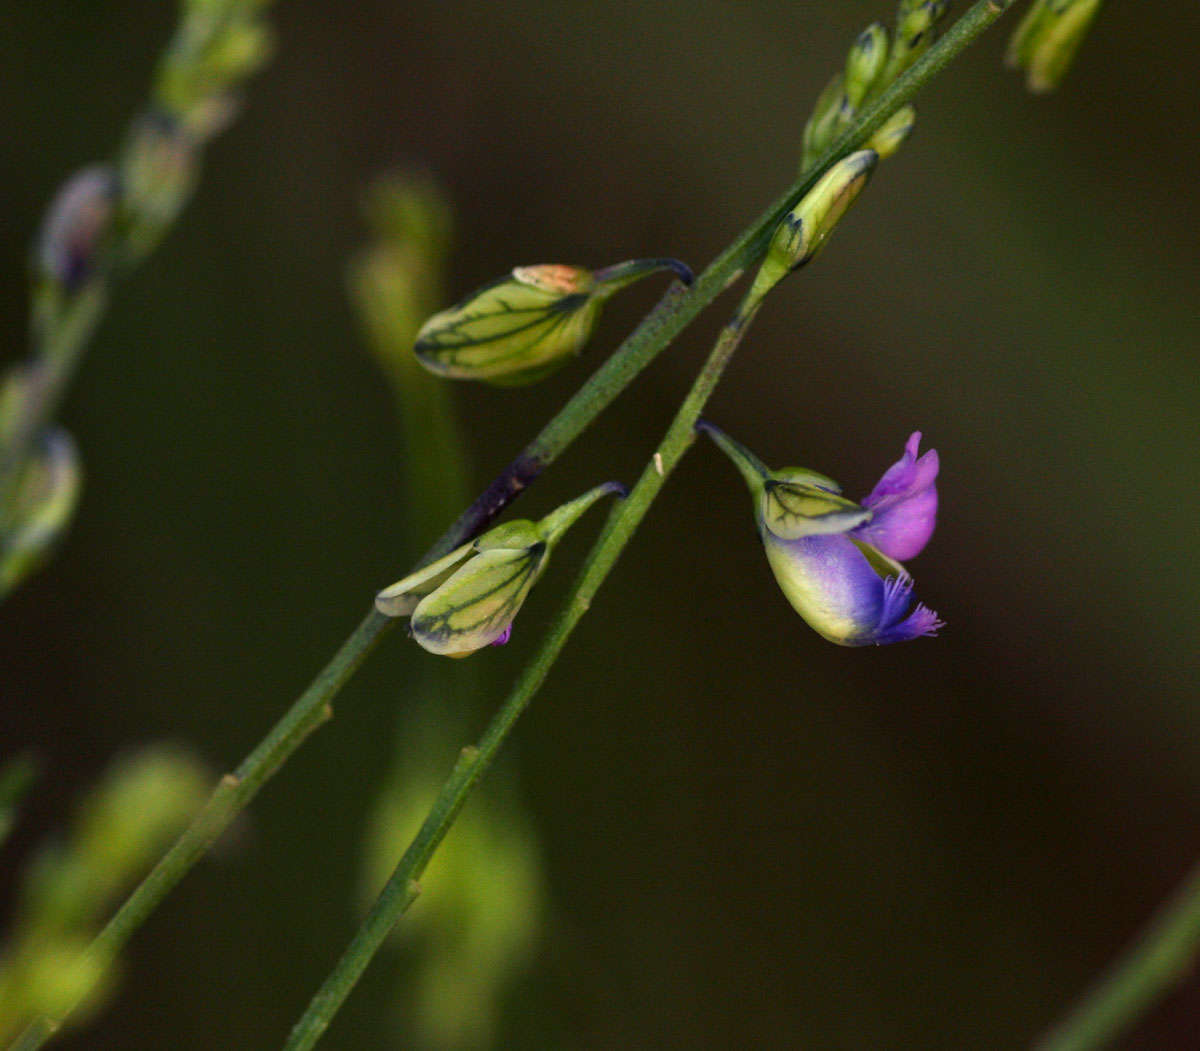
402,887
681,306
232,794
1161,956
675,311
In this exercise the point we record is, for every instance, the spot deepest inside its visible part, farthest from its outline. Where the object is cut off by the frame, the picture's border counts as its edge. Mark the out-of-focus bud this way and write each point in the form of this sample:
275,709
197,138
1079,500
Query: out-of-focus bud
211,60
864,63
1046,41
125,822
889,138
159,169
528,324
468,600
822,126
40,508
73,230
146,799
805,229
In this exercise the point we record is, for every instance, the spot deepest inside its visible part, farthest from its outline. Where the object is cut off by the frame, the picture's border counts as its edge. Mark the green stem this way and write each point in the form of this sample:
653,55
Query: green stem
681,306
1160,957
676,310
402,887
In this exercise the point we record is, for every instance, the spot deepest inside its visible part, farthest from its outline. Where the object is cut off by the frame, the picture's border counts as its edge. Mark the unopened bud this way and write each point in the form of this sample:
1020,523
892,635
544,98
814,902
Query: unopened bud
159,169
822,126
889,138
805,229
865,62
41,507
1047,39
468,599
916,24
528,324
75,225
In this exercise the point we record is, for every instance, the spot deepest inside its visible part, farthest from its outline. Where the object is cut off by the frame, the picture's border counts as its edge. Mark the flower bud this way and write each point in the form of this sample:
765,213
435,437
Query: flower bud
468,599
805,229
1045,42
864,63
159,169
74,227
889,138
44,500
527,325
916,22
822,126
833,559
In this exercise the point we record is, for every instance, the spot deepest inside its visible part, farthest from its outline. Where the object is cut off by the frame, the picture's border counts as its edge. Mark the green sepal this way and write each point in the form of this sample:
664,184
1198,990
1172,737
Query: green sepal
883,564
516,535
401,598
791,510
528,324
515,330
475,606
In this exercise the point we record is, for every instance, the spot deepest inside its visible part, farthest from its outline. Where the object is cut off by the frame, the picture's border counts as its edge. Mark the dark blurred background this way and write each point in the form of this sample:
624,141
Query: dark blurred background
750,838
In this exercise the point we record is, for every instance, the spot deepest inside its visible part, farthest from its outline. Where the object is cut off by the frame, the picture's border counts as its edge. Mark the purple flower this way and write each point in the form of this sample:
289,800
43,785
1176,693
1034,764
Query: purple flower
904,504
835,560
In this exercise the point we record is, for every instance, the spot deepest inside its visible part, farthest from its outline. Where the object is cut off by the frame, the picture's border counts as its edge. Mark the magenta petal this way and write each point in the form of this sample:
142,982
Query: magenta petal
905,504
503,637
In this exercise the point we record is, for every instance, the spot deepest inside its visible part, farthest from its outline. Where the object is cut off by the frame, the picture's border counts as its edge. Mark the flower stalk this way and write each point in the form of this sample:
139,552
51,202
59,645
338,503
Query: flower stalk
678,308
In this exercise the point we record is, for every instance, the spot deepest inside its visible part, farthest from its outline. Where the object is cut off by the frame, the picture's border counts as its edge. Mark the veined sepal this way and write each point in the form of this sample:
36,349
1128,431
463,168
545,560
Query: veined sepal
468,599
527,324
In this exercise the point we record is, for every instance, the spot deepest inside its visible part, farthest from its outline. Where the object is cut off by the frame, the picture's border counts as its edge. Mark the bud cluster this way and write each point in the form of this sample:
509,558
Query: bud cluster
873,64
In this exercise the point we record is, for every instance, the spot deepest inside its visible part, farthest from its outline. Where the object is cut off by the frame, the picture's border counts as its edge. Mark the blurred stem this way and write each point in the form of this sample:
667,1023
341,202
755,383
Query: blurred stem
1160,957
402,887
674,312
232,794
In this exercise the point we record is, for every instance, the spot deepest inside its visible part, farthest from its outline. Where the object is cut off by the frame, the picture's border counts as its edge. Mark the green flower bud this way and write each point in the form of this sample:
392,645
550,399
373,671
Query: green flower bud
527,325
1045,42
805,229
864,63
822,126
916,23
159,169
43,502
889,138
468,599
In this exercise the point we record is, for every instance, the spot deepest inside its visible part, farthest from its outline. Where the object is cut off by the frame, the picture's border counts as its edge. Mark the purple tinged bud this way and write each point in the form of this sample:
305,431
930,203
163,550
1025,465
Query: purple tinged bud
76,221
